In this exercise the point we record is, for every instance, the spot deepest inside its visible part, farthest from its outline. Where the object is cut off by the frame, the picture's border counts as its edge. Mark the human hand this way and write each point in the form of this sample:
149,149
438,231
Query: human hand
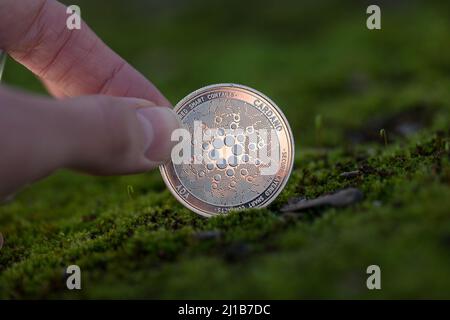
118,124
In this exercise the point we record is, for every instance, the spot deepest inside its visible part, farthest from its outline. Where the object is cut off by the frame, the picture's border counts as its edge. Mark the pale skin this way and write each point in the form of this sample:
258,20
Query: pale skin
105,118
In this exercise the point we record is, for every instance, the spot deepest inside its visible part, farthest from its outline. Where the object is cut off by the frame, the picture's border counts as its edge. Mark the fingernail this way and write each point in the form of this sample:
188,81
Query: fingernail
158,123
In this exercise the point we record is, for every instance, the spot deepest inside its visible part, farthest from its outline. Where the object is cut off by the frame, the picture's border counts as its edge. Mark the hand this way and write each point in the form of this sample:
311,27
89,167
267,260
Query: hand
119,124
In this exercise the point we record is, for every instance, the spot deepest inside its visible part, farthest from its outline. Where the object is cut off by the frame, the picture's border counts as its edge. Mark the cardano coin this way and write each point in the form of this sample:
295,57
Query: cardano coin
236,152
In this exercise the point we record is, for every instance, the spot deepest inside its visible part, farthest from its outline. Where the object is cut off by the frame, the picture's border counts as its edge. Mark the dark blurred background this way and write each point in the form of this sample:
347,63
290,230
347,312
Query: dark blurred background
316,59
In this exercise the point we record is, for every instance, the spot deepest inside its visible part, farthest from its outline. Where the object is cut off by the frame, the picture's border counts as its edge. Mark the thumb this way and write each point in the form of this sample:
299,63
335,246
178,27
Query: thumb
106,135
95,134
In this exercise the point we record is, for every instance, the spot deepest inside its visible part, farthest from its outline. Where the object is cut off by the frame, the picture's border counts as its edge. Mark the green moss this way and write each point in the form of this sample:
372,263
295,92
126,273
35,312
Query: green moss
332,77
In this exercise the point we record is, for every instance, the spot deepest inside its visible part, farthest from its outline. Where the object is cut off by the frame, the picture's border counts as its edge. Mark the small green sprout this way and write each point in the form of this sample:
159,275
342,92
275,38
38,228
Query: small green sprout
383,136
318,127
130,191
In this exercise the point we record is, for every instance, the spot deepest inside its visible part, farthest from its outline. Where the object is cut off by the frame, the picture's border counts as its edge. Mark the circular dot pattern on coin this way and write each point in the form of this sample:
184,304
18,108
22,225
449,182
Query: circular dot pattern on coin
246,156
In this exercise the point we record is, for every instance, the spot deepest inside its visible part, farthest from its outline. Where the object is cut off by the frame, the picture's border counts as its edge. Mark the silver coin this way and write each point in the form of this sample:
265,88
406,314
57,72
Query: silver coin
246,150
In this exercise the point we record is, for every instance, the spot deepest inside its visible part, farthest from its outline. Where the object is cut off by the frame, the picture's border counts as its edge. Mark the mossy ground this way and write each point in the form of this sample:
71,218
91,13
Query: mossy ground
339,85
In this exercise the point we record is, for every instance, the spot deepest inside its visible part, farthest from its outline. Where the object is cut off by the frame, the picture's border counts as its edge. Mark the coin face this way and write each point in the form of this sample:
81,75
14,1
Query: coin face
235,150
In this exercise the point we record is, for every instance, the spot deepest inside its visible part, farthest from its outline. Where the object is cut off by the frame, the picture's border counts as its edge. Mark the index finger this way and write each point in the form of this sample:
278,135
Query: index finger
70,62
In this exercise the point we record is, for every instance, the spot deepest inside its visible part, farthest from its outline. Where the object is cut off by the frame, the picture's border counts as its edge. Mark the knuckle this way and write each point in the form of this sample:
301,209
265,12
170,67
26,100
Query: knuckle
35,32
107,85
